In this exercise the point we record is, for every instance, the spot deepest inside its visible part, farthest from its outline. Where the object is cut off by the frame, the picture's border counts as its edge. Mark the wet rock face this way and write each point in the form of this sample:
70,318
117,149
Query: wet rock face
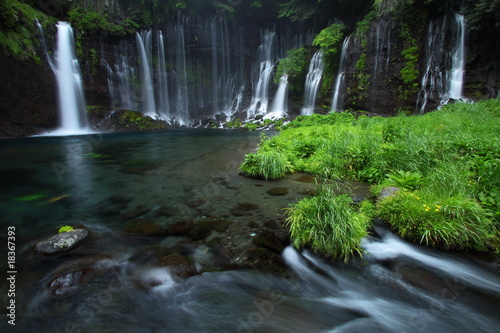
28,103
178,265
61,242
267,239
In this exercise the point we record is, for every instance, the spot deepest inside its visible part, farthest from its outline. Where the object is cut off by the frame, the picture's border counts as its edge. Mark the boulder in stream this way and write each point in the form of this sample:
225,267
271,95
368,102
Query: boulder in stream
64,241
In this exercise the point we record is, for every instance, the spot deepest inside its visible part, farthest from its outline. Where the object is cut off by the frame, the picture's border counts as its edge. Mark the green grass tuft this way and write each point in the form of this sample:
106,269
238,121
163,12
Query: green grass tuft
331,225
457,223
266,165
451,156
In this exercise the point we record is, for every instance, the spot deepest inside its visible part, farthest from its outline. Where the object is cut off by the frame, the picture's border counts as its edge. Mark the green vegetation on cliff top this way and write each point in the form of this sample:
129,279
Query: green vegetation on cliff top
447,163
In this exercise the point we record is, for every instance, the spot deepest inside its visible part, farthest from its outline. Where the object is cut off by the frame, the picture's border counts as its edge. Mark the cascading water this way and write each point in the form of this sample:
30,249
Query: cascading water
456,75
163,99
381,37
444,74
432,84
279,106
260,98
71,98
121,76
144,46
200,70
313,79
340,80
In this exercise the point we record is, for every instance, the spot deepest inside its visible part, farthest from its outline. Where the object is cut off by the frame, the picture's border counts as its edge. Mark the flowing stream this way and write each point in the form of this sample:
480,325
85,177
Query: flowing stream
94,180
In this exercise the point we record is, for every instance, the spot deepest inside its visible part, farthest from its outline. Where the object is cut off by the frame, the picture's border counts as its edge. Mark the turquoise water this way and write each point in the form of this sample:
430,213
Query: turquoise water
93,181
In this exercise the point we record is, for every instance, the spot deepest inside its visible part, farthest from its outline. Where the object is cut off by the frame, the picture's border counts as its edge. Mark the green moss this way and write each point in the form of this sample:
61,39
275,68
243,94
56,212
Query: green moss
87,21
409,73
251,126
65,228
234,123
18,32
136,120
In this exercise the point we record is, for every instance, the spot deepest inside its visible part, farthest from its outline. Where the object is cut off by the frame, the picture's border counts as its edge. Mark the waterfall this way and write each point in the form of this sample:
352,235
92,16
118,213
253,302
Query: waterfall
200,70
71,98
456,75
144,49
260,98
163,100
381,36
181,113
121,77
340,80
279,106
313,79
443,77
432,84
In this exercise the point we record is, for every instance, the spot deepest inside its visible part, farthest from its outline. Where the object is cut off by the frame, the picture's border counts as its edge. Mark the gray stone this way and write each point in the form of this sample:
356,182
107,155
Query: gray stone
388,192
64,241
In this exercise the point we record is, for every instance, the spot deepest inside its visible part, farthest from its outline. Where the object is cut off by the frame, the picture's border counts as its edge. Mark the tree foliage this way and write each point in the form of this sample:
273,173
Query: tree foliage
295,66
329,38
483,15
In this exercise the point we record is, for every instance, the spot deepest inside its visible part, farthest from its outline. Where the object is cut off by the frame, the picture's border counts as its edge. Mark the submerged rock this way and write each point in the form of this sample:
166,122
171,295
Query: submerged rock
215,225
305,178
180,228
269,240
138,211
243,209
144,228
61,242
274,224
179,265
199,233
278,191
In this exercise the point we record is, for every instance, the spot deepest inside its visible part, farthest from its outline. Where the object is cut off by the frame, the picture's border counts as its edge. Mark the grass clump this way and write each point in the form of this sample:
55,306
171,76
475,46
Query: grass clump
266,165
456,223
450,156
329,224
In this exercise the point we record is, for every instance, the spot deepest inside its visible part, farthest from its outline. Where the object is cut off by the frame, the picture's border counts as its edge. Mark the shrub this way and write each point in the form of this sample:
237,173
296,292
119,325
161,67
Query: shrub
266,165
331,225
442,222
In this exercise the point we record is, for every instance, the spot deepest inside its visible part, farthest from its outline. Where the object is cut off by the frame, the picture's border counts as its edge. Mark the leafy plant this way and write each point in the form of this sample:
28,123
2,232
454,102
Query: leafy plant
294,65
234,123
65,228
405,179
329,224
251,126
329,40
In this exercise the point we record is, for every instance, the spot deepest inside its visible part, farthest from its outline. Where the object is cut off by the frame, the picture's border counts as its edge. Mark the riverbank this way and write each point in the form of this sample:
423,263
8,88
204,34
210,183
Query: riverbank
444,163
